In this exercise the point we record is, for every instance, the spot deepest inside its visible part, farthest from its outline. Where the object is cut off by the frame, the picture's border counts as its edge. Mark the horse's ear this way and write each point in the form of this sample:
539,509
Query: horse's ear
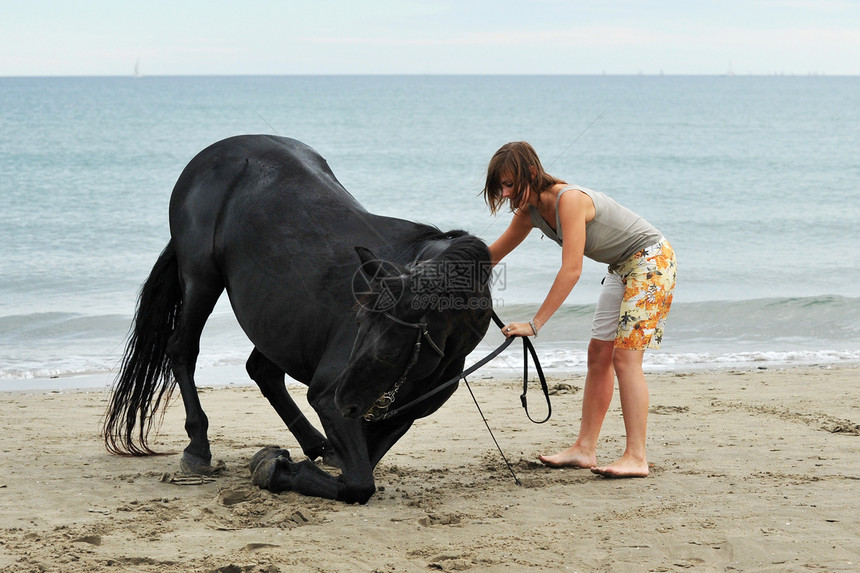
372,267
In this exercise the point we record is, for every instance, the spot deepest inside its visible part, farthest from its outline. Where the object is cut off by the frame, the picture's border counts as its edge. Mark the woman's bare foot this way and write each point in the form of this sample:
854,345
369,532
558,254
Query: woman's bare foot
572,457
626,467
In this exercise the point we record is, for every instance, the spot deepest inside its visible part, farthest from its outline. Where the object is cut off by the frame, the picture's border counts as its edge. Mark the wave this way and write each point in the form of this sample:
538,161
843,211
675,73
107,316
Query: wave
60,344
716,334
574,361
703,335
741,325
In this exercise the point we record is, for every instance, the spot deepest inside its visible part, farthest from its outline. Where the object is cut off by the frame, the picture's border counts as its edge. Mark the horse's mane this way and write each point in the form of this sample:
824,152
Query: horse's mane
431,233
457,247
466,247
462,246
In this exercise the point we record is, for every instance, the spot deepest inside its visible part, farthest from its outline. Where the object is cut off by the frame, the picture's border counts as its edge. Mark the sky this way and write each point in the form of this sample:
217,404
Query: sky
214,37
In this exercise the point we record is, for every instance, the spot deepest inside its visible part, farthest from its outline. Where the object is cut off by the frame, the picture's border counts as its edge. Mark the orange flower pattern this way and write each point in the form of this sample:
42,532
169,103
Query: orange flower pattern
649,281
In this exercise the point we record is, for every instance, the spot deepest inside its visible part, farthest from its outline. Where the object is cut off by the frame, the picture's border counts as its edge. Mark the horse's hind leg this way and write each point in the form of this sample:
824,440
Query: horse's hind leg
270,378
198,300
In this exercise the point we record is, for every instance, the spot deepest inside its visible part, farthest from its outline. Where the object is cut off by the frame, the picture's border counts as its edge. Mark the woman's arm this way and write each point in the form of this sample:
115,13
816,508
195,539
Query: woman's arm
573,210
516,232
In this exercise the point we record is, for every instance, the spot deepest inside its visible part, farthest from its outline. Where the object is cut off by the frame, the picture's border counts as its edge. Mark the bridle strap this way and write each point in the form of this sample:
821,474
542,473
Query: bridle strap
422,326
387,398
527,345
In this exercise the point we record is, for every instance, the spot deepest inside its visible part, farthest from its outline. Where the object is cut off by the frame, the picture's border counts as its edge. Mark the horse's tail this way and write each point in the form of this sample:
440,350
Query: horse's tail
145,381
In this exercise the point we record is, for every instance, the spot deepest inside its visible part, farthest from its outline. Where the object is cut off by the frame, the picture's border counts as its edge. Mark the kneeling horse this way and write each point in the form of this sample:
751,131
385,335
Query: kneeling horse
364,309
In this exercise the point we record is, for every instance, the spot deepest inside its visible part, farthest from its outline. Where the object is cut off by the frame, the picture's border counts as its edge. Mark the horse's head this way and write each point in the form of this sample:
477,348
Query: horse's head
403,335
394,342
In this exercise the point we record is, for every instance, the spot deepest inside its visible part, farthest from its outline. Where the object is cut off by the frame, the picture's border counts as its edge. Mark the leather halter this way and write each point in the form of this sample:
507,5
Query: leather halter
372,416
380,407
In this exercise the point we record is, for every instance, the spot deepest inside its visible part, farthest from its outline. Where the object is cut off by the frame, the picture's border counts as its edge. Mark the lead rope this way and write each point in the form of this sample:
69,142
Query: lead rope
528,348
486,423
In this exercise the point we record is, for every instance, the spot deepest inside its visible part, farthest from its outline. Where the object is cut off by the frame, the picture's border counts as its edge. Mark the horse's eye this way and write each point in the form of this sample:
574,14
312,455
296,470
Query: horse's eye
387,358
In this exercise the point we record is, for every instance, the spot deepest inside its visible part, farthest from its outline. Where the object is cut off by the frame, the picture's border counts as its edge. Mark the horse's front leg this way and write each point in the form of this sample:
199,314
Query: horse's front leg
349,440
381,436
275,470
270,378
272,468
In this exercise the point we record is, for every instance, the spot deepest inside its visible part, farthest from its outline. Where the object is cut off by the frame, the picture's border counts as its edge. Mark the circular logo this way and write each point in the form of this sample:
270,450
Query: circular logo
378,285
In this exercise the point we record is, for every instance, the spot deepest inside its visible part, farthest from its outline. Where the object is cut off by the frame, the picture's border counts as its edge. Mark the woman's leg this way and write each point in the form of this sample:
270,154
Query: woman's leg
634,406
599,384
599,379
648,288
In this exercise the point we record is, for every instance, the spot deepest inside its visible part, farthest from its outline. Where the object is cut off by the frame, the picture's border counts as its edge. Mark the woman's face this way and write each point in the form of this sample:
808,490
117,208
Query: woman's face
507,184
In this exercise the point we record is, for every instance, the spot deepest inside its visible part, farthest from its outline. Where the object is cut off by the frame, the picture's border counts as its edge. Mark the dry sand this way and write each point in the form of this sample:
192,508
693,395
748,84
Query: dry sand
751,471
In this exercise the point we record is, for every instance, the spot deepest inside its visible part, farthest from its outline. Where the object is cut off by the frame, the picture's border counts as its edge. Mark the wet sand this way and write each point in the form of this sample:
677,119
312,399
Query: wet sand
750,471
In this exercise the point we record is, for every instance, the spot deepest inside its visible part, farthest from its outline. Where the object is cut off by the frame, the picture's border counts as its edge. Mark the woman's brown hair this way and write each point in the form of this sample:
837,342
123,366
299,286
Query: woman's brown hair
518,160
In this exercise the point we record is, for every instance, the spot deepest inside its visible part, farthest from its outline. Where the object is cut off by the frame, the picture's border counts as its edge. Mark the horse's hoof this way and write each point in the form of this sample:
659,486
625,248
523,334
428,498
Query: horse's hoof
191,464
267,453
262,475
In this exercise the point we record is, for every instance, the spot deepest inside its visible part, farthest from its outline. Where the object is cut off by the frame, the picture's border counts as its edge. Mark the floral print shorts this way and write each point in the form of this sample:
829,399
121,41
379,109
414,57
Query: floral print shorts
644,283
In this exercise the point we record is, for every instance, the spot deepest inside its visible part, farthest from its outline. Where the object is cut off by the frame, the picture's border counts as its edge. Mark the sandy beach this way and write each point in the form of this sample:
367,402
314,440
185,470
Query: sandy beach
751,471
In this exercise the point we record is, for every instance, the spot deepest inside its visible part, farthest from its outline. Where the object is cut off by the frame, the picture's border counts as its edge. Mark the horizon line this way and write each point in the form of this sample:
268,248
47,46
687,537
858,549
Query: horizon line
436,74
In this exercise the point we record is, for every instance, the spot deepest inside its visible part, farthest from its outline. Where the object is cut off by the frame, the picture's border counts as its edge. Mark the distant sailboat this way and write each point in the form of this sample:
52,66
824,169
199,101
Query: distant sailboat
137,69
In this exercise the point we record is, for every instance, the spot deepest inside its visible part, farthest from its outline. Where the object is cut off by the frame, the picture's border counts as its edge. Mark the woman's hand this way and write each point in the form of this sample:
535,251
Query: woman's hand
518,329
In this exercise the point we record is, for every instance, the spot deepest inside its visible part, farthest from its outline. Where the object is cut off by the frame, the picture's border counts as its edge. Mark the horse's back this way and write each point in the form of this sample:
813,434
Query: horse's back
266,218
263,169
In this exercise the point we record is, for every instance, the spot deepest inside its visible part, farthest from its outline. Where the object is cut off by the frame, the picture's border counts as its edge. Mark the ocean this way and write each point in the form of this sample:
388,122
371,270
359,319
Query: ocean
754,180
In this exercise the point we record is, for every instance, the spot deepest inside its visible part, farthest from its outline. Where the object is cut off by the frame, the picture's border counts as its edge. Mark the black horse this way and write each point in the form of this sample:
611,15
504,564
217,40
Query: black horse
366,310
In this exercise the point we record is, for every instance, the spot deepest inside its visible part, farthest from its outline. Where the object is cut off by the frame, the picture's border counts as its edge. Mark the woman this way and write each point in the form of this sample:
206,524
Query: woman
632,307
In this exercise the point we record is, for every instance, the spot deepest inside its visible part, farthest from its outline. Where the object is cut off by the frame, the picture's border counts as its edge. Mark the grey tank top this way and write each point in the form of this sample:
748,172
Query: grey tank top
612,236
